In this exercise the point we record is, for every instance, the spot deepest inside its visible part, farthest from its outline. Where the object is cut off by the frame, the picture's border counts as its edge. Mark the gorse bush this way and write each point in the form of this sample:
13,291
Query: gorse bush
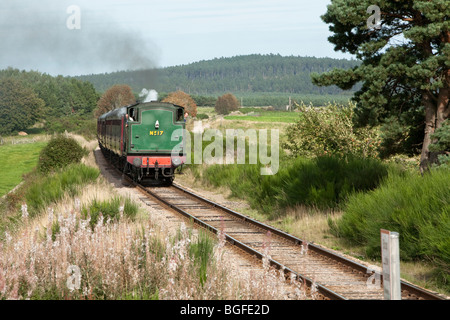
60,152
330,131
416,207
323,182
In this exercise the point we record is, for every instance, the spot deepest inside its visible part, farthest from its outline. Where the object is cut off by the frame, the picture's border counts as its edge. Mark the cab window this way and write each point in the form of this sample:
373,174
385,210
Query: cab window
180,116
133,114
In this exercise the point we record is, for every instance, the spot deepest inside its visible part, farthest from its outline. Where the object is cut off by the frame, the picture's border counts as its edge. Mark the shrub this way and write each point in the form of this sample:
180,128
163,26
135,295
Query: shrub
60,152
202,116
416,207
330,130
402,134
226,103
324,182
85,126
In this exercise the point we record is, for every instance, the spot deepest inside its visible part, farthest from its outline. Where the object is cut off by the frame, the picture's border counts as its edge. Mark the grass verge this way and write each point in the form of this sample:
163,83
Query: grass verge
17,160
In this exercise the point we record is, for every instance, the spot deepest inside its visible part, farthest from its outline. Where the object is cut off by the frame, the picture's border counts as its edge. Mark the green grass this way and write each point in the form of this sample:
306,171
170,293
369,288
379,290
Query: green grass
17,160
109,209
416,207
44,190
202,251
268,116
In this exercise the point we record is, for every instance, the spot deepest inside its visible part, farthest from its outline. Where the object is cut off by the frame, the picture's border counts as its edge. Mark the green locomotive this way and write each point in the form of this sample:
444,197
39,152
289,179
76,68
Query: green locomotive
144,140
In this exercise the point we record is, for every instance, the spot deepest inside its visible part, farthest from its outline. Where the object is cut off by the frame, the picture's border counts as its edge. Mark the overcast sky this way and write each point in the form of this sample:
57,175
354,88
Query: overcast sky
72,37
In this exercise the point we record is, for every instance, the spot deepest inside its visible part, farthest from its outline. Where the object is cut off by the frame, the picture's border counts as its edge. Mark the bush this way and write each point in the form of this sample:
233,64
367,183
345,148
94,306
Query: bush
324,182
416,207
226,103
202,116
84,126
60,152
330,131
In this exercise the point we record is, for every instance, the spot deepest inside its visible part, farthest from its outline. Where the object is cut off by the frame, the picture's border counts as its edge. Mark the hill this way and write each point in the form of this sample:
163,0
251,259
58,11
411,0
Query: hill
242,75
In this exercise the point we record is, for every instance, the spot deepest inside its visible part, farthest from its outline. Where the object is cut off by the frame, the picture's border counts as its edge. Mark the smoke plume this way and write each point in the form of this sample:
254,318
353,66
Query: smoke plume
41,35
150,95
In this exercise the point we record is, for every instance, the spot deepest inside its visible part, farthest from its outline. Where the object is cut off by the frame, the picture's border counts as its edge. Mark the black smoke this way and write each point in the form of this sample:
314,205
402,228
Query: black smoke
35,35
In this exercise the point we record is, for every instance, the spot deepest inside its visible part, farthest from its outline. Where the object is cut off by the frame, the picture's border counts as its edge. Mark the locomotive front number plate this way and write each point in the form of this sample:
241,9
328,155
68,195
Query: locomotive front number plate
156,133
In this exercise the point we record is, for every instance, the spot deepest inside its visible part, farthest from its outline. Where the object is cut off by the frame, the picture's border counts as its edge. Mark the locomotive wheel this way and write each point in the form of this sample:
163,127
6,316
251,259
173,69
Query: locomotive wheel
124,173
136,174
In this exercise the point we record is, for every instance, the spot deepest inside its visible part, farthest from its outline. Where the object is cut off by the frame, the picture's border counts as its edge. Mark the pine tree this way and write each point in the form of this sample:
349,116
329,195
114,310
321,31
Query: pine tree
405,60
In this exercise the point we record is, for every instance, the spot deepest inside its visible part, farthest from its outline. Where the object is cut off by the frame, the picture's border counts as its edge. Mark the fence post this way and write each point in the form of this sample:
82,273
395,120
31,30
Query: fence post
390,255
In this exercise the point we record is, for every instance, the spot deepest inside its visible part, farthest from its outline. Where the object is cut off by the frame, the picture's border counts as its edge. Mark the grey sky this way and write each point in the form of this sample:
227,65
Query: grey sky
132,34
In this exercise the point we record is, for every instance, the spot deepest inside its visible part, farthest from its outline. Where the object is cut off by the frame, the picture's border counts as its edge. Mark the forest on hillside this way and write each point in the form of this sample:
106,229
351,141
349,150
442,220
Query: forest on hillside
256,80
241,74
30,97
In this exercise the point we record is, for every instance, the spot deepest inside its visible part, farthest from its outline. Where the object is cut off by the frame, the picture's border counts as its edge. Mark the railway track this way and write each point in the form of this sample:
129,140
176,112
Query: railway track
334,277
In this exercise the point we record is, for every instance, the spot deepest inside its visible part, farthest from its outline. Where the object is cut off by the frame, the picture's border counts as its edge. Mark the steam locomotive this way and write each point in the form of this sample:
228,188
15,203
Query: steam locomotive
144,140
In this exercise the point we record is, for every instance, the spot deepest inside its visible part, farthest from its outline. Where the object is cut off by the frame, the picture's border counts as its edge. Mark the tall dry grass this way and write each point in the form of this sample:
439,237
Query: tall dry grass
123,260
58,255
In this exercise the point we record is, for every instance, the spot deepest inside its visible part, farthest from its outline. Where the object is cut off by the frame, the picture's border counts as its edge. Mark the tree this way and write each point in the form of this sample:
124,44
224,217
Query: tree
20,107
226,103
115,97
184,100
405,61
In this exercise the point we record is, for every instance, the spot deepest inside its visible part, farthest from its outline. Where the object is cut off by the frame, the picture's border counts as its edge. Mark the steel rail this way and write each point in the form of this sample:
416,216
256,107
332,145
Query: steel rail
407,287
327,293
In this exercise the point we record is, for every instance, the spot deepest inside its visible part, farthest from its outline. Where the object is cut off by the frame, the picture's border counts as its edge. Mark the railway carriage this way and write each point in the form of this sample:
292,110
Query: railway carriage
144,140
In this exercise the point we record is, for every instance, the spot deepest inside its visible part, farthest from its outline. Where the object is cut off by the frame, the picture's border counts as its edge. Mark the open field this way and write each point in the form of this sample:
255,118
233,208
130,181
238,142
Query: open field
17,159
267,116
